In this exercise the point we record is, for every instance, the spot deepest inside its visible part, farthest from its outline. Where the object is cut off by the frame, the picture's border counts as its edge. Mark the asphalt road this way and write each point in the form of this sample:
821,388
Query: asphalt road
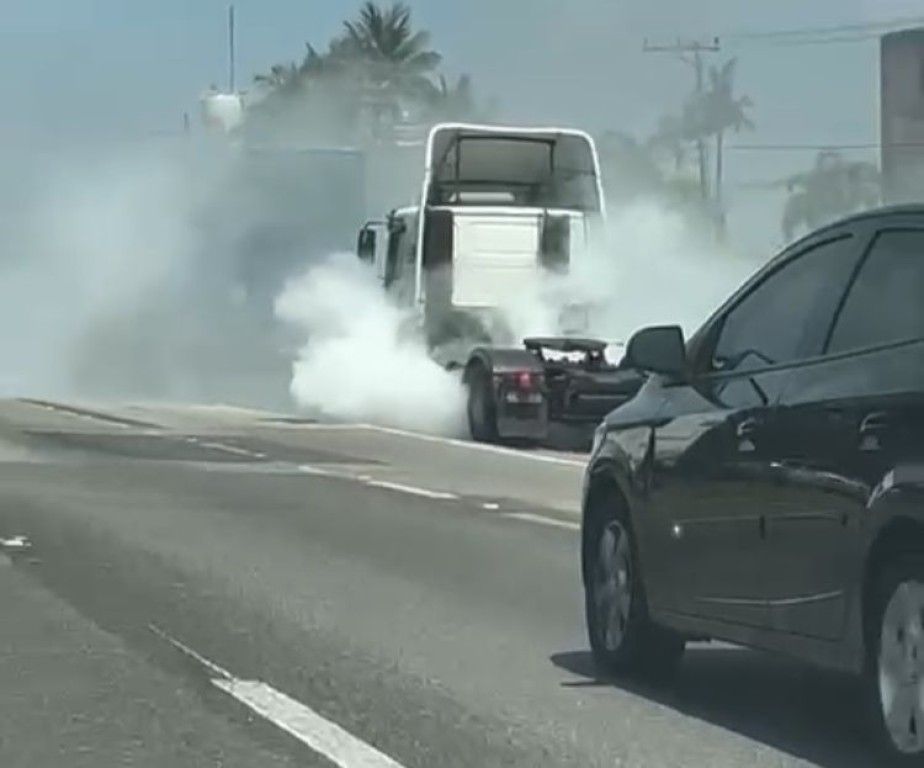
214,586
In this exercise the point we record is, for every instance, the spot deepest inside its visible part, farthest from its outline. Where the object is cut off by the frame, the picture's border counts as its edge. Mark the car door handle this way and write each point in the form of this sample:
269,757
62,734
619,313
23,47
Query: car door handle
747,428
871,429
746,432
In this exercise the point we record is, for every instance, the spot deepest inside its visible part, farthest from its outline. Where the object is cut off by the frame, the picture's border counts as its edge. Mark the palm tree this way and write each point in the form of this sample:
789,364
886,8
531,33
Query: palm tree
833,187
453,102
395,56
371,77
722,111
280,77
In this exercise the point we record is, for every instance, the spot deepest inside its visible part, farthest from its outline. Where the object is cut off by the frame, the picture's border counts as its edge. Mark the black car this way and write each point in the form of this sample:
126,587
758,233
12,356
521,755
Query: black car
766,484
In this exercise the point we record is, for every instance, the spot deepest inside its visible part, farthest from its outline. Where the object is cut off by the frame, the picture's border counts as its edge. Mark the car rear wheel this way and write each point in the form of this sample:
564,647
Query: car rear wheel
622,637
896,662
481,409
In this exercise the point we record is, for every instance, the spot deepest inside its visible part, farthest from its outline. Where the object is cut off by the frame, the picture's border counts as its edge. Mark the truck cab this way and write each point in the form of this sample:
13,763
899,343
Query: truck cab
498,206
499,209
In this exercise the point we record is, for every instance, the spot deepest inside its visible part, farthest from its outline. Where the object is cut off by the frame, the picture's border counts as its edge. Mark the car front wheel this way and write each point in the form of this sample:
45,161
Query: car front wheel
896,663
622,637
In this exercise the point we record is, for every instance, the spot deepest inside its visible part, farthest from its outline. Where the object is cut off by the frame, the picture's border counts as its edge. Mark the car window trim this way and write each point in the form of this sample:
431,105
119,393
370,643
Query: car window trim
808,361
853,278
717,325
838,356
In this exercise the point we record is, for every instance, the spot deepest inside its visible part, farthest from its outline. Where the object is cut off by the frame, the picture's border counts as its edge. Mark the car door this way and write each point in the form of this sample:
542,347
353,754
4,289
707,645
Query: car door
850,418
716,448
400,268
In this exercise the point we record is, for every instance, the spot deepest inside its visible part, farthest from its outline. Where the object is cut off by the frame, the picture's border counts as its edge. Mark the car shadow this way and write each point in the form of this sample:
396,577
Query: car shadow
810,714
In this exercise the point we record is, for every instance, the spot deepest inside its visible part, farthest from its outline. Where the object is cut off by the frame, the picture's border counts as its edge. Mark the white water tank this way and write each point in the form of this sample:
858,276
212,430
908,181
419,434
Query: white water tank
222,111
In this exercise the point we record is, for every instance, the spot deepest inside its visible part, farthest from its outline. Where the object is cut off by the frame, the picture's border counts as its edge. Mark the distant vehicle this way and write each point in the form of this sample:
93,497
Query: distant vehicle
766,484
499,208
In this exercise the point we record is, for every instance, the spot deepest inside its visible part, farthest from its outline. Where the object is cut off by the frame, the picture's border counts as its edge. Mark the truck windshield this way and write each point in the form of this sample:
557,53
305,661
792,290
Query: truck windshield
542,170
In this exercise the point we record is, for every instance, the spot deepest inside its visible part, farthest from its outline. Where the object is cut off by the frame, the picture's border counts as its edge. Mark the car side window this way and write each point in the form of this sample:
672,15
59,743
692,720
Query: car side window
785,318
886,301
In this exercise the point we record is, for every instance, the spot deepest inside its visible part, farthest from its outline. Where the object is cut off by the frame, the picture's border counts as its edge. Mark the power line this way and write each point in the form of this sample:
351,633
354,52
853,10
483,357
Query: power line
808,147
821,31
858,38
825,147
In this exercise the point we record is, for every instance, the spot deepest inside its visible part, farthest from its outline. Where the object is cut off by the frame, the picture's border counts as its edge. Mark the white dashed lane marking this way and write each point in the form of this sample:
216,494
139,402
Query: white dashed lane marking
322,472
412,490
232,449
526,455
315,731
371,482
529,517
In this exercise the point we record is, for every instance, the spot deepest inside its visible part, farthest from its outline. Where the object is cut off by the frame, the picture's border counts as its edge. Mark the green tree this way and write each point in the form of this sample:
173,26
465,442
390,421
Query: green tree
832,187
671,137
634,169
377,72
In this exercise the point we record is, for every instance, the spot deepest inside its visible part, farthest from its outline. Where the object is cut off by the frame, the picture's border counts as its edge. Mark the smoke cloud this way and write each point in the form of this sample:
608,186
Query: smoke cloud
364,359
652,268
120,278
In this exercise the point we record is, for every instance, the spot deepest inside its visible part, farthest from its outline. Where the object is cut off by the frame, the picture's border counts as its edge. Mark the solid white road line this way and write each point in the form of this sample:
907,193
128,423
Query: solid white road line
211,666
474,446
529,517
321,735
412,490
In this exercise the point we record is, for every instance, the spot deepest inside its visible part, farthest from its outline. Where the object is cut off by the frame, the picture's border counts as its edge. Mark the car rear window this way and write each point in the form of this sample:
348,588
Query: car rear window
886,301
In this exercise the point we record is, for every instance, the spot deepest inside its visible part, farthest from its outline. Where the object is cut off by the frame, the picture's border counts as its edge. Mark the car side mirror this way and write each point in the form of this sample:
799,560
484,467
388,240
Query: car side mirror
658,349
365,245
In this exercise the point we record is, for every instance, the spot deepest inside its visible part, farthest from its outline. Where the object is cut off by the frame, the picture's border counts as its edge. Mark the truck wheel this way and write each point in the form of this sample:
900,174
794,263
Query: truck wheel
482,412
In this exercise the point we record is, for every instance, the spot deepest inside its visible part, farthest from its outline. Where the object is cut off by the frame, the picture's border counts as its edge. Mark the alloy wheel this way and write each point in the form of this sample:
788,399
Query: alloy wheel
613,585
901,668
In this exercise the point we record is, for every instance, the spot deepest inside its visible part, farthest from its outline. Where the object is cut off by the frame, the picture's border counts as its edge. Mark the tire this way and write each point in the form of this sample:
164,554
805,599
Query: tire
622,637
481,409
894,681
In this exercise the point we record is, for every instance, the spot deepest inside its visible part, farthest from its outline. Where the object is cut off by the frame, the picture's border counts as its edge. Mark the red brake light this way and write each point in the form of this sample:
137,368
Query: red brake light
525,380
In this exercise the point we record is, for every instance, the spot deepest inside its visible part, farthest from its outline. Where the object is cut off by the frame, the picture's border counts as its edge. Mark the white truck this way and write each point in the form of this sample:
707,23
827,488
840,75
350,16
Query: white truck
500,206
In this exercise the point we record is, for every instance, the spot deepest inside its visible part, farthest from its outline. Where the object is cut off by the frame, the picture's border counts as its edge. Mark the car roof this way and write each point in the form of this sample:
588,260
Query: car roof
881,212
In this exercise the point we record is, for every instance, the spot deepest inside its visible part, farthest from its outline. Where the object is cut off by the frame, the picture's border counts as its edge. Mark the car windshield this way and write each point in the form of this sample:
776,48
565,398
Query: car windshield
353,410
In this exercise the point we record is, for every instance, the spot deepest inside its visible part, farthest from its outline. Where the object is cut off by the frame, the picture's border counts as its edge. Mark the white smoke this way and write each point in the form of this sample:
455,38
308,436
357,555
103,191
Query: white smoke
653,268
88,239
364,359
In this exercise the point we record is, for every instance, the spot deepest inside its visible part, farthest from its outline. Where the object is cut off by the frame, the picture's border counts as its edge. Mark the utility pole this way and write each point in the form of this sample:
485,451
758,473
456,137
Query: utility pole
691,52
230,49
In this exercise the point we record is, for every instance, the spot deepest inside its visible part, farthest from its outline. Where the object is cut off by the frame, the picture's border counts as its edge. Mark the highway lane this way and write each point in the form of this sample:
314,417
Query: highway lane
421,594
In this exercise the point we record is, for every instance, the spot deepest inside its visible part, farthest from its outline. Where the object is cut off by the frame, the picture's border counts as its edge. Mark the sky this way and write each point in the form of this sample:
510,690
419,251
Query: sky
99,68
